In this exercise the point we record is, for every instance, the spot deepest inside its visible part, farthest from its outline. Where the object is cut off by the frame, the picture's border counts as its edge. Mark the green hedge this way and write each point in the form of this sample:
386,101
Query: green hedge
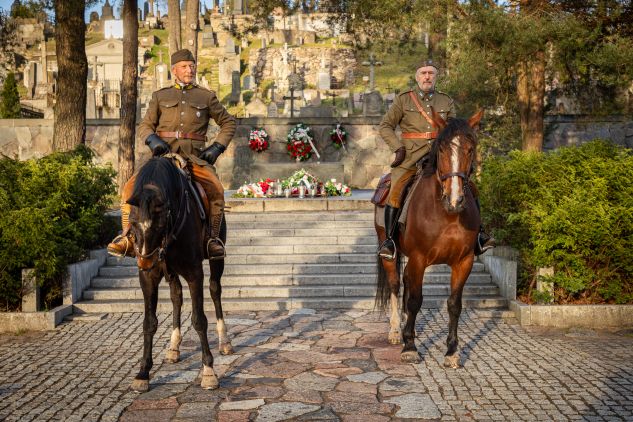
51,213
571,209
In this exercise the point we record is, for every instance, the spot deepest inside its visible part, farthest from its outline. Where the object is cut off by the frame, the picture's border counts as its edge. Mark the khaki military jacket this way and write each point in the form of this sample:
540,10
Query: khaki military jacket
188,110
404,113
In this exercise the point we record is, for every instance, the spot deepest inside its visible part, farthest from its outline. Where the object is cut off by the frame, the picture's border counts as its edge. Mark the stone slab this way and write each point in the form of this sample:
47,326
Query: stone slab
567,316
33,321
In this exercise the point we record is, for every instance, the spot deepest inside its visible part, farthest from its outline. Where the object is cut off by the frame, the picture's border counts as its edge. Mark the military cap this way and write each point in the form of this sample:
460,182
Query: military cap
183,55
428,62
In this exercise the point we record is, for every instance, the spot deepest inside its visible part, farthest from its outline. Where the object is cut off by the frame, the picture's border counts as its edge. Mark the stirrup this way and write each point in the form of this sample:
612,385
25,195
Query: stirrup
216,258
388,257
488,244
116,253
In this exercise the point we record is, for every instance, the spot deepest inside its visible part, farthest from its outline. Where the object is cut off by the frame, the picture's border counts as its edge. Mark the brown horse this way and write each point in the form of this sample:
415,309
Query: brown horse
168,235
441,228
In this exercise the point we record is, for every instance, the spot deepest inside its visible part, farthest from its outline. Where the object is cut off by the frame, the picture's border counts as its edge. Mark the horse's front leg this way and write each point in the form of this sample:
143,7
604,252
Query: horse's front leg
459,274
215,288
393,280
413,277
175,291
200,324
149,286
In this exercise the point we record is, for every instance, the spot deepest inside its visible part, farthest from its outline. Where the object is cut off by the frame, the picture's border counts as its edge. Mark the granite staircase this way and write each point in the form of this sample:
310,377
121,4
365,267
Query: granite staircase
286,260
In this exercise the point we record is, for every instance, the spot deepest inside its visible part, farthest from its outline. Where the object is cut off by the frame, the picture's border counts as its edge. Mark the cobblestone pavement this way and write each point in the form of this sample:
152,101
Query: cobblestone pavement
306,365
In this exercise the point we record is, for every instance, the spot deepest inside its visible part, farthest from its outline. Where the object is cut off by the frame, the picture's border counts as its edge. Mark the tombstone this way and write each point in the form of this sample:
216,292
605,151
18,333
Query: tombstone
357,100
162,75
317,111
237,7
263,42
244,43
372,104
272,110
235,88
257,108
350,105
249,82
229,47
316,100
323,81
226,67
208,40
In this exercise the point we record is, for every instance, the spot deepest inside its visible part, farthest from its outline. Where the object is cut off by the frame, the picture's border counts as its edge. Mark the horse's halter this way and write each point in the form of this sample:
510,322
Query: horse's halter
158,254
462,175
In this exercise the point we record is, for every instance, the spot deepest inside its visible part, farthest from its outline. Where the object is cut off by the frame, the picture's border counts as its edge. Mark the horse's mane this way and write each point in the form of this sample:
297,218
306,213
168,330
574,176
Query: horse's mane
163,174
453,128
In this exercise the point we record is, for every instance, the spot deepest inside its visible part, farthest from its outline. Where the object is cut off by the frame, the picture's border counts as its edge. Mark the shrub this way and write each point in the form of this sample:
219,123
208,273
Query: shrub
571,209
51,213
10,105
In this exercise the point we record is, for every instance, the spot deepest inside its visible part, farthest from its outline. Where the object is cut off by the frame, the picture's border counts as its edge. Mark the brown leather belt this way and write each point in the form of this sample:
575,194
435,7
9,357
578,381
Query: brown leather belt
182,135
419,135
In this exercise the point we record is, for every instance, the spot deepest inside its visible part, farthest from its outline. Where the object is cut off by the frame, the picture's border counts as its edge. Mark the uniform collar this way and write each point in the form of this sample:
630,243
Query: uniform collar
177,85
426,95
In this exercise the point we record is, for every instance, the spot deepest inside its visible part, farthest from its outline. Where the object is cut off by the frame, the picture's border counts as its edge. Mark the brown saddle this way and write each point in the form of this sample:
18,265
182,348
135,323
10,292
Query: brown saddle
381,194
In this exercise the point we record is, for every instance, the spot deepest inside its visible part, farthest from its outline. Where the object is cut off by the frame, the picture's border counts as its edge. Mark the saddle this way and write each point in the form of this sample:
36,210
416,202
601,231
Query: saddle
384,185
199,195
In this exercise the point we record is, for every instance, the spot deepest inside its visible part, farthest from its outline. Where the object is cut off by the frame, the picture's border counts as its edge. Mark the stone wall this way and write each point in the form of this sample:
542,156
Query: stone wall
366,158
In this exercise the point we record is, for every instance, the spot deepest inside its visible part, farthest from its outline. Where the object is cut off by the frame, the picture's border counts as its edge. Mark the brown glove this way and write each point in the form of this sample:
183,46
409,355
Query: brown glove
400,154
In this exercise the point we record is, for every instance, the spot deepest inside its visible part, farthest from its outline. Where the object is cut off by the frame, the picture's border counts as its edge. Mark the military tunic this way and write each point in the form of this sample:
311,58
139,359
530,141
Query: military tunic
418,133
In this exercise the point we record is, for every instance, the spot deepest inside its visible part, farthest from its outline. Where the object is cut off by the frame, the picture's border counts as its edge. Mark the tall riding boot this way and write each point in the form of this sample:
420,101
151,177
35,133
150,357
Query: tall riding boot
484,240
388,248
215,246
123,244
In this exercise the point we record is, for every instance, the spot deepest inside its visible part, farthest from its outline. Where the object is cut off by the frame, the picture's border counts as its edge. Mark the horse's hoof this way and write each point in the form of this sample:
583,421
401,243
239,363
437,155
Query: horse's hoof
209,382
411,356
141,386
452,361
395,337
226,349
172,356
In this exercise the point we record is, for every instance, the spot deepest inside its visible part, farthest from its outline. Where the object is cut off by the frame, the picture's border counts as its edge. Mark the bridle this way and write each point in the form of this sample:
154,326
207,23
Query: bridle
462,175
158,254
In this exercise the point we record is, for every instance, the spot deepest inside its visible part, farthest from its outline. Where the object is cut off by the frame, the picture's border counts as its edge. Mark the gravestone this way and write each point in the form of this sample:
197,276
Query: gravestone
244,43
272,110
257,108
372,104
235,88
229,47
323,81
208,40
317,111
227,65
263,42
249,82
162,75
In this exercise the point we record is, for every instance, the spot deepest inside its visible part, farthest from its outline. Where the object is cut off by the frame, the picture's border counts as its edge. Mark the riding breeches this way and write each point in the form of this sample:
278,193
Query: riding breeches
205,175
399,178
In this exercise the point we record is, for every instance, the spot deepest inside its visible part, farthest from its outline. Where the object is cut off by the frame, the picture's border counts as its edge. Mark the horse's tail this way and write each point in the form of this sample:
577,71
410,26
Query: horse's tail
383,290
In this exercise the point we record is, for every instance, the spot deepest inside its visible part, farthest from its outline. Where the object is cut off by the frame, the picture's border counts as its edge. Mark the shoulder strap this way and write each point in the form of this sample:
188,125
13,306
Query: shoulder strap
420,109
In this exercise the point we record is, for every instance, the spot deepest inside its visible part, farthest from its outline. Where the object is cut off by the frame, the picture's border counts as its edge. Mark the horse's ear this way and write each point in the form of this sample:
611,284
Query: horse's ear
473,122
438,119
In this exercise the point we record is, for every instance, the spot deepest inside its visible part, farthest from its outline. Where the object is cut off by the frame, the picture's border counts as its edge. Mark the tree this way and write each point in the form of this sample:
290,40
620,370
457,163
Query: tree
191,34
173,10
129,92
10,107
70,106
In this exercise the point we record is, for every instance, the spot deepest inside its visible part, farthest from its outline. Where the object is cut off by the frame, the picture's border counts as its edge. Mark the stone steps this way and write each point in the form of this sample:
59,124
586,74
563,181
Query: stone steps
288,260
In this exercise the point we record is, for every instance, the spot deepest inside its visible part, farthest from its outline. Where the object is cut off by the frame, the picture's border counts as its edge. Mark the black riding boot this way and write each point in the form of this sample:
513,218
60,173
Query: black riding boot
484,240
388,248
215,246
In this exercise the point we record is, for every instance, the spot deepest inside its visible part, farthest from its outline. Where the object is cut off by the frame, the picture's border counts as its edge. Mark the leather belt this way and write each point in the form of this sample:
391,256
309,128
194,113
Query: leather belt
182,135
418,135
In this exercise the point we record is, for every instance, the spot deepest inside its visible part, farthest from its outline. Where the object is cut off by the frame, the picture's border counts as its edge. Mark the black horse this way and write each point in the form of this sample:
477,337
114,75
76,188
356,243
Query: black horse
168,231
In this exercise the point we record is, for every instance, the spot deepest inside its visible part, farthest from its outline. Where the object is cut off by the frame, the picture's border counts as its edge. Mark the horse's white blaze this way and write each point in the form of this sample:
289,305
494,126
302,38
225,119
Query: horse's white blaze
145,227
176,338
455,191
222,331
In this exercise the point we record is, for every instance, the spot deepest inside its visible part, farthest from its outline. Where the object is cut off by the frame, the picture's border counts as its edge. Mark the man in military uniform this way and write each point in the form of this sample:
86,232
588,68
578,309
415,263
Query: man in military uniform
411,110
176,121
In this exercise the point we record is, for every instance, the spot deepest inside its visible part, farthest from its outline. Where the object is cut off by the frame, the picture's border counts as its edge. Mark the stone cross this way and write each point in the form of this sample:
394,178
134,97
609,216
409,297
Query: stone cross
371,63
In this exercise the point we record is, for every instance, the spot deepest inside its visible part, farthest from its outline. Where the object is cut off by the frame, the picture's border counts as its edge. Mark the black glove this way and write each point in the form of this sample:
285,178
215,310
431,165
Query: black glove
157,145
400,155
211,154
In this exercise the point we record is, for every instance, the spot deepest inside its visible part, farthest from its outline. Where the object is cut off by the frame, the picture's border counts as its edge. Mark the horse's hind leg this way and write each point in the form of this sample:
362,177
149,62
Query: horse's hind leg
175,290
459,274
149,286
217,268
199,322
413,275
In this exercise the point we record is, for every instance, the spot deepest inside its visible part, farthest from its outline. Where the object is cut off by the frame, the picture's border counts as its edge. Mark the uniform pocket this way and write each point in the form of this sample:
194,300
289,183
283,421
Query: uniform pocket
198,113
168,111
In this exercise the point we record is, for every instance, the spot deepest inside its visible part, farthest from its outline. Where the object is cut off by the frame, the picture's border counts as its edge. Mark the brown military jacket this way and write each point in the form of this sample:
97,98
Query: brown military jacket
186,110
404,113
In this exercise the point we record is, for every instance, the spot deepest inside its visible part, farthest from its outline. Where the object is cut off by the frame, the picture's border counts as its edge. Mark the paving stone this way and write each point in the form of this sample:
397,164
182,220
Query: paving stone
415,406
141,404
234,416
310,381
284,410
368,377
198,411
242,404
410,385
337,372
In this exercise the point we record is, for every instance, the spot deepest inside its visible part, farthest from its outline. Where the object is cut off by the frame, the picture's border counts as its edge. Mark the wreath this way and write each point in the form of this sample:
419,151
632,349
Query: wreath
299,142
258,139
338,135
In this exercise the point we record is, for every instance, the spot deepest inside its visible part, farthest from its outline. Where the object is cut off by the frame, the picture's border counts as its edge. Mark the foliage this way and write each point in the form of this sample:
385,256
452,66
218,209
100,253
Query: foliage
571,209
51,212
28,9
10,106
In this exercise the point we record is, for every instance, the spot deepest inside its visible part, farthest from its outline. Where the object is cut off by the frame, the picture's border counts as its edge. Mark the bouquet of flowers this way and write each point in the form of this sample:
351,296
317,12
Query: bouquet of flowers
338,135
332,188
298,178
253,190
299,142
258,139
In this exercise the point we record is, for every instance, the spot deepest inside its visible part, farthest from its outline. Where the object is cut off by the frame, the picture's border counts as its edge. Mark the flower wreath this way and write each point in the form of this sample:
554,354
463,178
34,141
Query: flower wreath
299,142
338,135
258,139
